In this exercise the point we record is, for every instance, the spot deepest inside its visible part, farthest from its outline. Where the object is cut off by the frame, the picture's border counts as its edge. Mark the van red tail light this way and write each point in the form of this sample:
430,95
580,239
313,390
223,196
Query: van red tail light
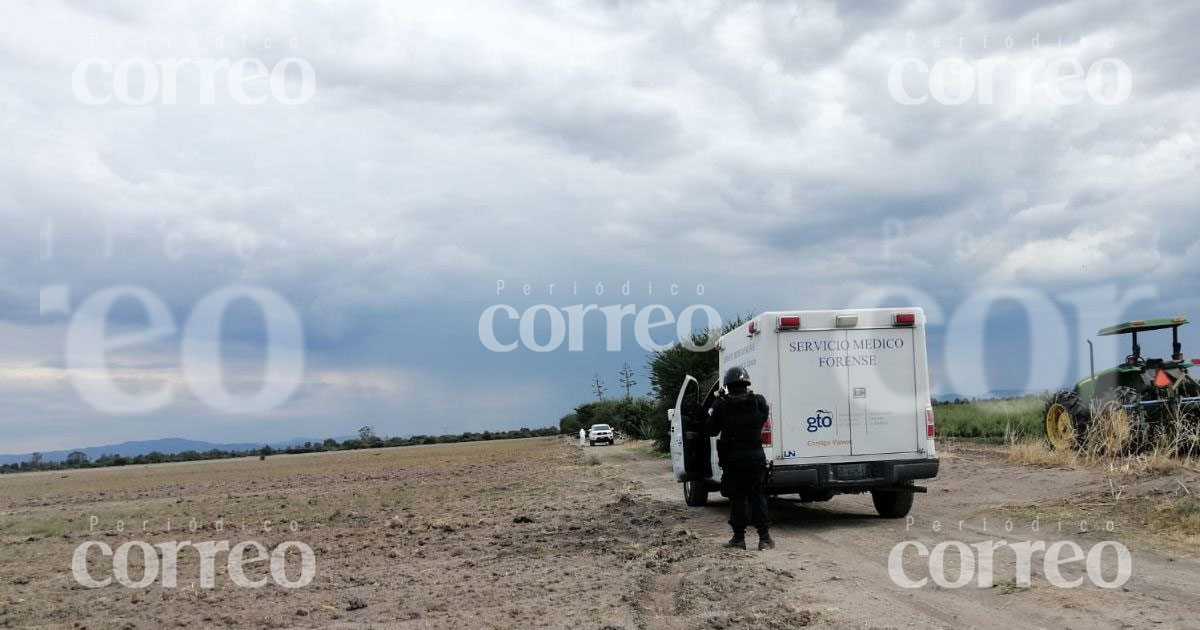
904,319
766,432
929,422
789,322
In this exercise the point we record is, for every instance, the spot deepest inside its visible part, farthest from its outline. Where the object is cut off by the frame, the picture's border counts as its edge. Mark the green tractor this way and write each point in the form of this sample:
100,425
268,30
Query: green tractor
1134,405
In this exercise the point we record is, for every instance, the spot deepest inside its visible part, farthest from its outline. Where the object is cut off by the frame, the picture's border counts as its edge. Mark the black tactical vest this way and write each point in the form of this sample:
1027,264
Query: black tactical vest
741,418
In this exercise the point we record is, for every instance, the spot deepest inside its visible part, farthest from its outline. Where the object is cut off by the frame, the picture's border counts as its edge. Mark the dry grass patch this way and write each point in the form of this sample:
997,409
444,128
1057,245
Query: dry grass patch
1118,441
1178,520
1149,493
1035,453
38,527
1158,461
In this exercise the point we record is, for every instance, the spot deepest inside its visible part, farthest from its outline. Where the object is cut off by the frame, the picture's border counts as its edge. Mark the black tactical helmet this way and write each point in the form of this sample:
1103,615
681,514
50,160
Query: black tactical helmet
737,376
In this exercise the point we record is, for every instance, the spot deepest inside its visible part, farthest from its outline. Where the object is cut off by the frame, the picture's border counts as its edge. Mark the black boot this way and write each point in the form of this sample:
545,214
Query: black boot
764,540
737,542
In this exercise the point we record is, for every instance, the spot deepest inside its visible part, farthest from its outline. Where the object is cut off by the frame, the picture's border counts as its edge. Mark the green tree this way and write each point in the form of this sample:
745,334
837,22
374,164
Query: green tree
569,423
669,366
630,416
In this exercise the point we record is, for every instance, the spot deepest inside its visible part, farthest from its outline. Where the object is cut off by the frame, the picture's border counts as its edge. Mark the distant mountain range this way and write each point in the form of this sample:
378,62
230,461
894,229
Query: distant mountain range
167,446
995,393
170,446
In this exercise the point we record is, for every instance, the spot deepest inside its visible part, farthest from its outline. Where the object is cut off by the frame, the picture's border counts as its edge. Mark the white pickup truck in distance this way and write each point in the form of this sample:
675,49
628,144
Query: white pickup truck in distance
600,433
850,406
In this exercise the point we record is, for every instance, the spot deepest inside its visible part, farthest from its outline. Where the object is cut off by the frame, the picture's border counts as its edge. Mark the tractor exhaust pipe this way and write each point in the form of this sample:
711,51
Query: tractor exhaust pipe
1092,358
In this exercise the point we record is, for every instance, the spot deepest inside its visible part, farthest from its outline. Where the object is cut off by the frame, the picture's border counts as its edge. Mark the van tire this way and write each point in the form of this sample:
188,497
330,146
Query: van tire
695,494
892,503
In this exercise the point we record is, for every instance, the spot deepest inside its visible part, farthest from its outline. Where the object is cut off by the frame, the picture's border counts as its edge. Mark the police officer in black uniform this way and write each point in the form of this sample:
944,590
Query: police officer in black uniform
737,417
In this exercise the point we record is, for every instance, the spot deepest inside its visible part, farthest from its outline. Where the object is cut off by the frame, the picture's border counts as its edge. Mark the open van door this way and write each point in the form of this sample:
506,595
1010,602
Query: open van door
691,448
675,416
676,443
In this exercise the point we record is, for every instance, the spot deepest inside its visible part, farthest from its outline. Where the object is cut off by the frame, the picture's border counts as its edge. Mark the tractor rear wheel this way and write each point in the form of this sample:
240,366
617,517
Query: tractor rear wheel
1189,431
1122,427
1065,420
1187,428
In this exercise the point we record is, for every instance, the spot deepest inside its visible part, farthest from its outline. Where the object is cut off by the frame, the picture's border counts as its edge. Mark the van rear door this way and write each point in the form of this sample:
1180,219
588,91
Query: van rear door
813,418
848,392
884,414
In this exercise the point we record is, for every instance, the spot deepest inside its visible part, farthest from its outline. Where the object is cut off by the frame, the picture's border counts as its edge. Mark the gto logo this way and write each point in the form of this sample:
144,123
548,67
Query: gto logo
820,420
163,559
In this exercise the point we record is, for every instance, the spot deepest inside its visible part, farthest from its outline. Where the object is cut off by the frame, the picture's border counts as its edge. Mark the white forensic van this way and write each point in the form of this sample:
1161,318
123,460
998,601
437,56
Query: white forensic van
850,407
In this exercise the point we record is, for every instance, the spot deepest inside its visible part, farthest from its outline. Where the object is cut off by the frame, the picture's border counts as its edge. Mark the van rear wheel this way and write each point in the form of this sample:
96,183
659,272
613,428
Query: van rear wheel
695,494
892,503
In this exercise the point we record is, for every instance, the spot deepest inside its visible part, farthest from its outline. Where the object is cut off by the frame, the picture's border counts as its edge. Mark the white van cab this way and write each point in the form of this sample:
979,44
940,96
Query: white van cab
850,406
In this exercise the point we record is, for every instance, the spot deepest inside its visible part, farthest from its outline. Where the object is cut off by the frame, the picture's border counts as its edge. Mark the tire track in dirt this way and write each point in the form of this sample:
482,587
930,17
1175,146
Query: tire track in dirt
656,607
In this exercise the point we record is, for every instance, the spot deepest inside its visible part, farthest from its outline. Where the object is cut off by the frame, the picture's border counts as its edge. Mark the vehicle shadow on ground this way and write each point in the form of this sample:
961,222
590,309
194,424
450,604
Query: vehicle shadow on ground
791,513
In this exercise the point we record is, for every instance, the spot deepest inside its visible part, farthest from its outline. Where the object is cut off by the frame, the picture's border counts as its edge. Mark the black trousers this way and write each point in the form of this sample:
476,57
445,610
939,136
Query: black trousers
742,478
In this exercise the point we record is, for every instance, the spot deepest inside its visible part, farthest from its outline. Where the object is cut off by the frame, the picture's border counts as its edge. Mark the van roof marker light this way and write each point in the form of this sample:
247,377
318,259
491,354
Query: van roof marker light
789,322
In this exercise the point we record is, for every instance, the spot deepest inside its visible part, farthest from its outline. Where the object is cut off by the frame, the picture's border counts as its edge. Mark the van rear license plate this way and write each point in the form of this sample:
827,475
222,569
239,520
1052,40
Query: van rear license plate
851,471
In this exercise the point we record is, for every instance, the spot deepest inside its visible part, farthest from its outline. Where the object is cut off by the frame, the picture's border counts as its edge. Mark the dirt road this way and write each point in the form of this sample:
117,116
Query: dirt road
541,533
836,553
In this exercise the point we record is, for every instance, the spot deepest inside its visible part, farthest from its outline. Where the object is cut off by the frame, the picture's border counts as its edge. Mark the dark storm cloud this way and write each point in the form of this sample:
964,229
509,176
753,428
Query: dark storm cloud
450,145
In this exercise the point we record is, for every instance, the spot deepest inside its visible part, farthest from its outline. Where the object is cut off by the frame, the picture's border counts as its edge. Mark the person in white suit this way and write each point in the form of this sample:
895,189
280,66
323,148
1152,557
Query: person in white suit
582,437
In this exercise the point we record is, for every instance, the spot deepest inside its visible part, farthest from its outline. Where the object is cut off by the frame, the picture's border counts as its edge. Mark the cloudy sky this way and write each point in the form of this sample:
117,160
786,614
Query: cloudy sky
759,150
